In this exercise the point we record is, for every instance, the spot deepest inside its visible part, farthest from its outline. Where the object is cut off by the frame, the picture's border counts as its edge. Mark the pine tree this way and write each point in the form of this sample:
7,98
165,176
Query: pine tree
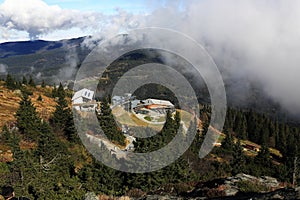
282,139
31,82
69,129
108,124
263,157
27,118
5,135
43,85
19,85
48,145
17,166
54,91
40,98
199,137
239,160
59,117
61,91
24,81
227,143
241,126
10,82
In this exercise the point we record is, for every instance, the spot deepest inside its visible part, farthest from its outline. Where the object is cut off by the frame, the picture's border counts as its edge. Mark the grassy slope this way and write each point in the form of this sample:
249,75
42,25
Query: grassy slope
9,103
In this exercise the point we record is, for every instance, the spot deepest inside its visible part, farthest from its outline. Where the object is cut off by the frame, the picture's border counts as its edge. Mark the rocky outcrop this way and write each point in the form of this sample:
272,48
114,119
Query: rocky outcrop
284,193
263,184
239,185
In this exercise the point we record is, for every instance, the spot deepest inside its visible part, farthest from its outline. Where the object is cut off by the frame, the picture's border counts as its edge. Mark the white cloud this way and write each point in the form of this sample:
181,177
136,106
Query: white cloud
255,40
3,68
251,39
37,18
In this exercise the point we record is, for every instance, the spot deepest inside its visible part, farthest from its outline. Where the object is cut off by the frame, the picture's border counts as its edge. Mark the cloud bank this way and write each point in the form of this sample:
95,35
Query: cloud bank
252,41
37,18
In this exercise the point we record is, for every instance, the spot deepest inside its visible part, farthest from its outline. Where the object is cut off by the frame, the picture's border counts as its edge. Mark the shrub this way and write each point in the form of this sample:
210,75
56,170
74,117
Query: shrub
249,186
148,118
135,193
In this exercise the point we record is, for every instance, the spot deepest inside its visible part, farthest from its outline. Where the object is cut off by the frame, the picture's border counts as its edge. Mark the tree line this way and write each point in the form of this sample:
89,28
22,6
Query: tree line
57,166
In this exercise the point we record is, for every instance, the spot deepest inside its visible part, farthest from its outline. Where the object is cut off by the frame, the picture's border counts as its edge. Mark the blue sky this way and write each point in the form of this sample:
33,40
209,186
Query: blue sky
55,19
105,6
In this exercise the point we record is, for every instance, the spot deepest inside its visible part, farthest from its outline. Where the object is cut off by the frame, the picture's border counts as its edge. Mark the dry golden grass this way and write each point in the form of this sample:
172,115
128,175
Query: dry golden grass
25,145
9,103
6,156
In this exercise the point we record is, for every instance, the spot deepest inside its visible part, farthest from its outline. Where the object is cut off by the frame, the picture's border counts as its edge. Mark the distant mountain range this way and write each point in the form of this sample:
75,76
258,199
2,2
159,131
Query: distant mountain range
10,49
43,59
58,61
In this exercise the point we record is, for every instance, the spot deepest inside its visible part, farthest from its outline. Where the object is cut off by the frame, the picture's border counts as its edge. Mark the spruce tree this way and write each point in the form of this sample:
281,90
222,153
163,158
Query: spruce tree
27,118
40,98
263,157
17,166
31,82
43,85
48,145
24,81
241,126
108,124
54,91
5,135
61,91
239,160
69,129
59,117
227,143
10,82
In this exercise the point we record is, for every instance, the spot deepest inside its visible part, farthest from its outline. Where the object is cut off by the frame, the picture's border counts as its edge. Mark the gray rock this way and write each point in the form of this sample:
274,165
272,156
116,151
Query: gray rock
231,191
90,196
277,196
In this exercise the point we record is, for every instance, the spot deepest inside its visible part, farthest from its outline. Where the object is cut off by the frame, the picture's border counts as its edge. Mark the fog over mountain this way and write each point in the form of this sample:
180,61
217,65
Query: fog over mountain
253,42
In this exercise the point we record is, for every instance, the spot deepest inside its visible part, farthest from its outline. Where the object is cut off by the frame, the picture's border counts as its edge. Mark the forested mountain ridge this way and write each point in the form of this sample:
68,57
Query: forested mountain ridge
10,49
52,61
58,61
48,160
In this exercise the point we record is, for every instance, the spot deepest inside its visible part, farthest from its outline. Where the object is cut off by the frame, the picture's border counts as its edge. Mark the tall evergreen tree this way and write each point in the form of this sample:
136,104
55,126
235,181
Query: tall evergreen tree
43,85
40,98
61,91
62,119
263,157
24,80
69,128
48,145
239,160
10,82
28,121
108,124
54,91
31,82
5,135
241,126
282,139
60,115
227,143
